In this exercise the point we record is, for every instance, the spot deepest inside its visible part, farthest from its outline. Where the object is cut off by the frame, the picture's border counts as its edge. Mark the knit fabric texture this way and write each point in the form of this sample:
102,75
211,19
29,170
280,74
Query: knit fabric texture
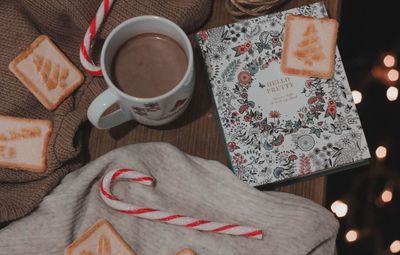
185,185
65,21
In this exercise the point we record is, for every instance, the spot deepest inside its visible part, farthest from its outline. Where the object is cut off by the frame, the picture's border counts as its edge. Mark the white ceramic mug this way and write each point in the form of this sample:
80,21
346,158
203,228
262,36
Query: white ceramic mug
148,111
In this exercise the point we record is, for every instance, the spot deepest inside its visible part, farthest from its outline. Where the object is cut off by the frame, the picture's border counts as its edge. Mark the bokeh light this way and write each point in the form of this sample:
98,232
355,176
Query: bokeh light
393,75
389,60
392,93
351,236
387,196
381,152
395,246
339,208
334,206
357,96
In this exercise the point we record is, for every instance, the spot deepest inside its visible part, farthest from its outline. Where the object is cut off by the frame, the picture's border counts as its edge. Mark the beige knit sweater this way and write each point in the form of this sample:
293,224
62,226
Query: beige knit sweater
185,185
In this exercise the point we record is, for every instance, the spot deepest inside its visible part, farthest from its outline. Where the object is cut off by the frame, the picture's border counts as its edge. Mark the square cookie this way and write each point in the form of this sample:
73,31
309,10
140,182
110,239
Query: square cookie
99,239
46,72
309,46
186,251
23,143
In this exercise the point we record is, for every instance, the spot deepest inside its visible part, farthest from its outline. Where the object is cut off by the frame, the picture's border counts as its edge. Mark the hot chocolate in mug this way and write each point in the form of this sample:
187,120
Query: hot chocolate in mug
152,111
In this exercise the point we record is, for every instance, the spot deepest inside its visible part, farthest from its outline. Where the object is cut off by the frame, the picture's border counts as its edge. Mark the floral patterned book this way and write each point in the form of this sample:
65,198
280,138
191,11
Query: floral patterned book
278,127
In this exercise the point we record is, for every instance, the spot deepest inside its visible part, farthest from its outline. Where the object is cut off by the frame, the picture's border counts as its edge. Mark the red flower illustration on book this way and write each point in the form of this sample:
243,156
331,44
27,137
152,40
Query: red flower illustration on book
244,78
239,159
203,35
242,49
275,41
312,100
243,108
309,84
292,157
232,146
247,118
274,114
331,109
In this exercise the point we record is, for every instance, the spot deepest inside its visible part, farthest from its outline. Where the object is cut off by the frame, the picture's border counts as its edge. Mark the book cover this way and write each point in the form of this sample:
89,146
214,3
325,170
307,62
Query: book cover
278,127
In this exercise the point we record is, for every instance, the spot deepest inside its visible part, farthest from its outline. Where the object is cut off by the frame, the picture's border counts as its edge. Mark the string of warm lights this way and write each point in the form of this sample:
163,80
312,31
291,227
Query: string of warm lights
386,73
389,76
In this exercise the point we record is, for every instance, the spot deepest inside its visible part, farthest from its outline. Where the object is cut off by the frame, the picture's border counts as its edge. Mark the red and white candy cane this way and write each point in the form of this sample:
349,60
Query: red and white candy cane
87,42
165,217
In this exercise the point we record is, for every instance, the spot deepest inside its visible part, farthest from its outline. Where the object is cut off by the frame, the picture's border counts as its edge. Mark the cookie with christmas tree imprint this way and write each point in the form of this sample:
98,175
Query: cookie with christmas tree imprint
309,46
99,239
186,251
46,72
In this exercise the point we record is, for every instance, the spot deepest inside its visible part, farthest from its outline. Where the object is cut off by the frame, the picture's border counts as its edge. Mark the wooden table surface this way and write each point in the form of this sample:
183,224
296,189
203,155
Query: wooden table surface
196,132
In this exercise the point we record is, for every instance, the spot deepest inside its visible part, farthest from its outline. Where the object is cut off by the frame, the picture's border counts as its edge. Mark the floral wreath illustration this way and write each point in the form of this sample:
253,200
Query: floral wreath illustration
319,103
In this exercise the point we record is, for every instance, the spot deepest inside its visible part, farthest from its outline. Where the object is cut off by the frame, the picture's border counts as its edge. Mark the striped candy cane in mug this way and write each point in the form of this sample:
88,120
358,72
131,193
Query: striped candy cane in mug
87,42
161,216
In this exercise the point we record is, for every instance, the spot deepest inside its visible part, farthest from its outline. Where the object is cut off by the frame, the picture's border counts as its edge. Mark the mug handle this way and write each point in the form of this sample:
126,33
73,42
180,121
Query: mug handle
99,105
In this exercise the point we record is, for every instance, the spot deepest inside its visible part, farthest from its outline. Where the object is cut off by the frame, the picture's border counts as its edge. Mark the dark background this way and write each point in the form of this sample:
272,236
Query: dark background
369,30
